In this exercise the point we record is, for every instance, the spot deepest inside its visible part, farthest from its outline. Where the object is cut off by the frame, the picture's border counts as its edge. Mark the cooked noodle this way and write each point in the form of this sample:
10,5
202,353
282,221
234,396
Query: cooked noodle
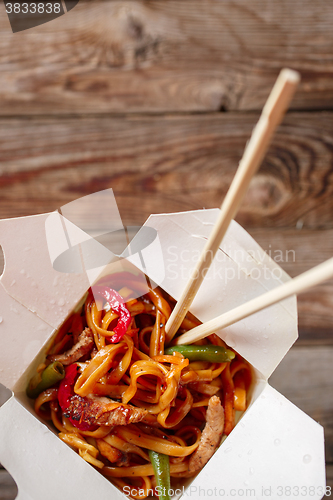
135,371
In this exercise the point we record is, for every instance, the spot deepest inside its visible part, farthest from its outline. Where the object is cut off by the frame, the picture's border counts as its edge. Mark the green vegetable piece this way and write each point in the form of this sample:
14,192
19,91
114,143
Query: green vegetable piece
52,374
213,353
161,466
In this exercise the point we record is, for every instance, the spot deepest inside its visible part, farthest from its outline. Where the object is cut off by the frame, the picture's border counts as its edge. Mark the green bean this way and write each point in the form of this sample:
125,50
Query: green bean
52,374
212,353
161,466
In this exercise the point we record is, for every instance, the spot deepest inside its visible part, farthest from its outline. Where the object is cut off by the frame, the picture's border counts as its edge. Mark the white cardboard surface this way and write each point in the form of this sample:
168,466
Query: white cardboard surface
16,320
41,463
274,446
29,276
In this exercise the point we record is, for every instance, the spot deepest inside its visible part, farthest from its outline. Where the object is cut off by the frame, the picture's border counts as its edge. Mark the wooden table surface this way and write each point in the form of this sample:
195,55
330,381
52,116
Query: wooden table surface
157,99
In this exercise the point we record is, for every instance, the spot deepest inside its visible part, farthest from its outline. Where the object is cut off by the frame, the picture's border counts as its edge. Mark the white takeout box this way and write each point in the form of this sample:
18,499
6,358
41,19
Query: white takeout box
275,450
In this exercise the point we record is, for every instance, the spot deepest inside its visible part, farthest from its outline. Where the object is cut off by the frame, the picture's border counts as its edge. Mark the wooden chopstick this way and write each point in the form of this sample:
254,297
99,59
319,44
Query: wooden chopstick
270,118
303,282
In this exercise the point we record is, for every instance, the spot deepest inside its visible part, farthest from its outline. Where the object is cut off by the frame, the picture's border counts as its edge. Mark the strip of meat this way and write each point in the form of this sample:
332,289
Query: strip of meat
95,410
108,451
211,435
83,346
115,456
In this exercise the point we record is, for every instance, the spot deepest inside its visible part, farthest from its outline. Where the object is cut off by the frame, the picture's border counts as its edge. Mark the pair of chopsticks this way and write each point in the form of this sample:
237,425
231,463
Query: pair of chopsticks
272,114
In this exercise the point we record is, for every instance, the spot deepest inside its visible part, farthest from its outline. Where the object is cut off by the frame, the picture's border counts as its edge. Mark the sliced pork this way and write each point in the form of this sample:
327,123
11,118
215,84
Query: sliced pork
211,435
95,410
83,346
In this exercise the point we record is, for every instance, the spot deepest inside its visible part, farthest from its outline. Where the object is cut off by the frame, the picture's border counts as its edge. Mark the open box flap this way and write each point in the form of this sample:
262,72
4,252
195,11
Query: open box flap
240,271
20,327
275,451
42,465
50,263
29,276
274,446
35,298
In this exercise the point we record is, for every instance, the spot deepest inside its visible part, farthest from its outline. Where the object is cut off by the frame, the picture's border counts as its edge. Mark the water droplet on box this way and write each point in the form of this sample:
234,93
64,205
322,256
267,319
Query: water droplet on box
246,483
55,281
13,283
307,459
22,271
33,283
52,301
251,471
277,442
264,351
250,452
61,302
1,320
227,450
265,336
27,249
14,310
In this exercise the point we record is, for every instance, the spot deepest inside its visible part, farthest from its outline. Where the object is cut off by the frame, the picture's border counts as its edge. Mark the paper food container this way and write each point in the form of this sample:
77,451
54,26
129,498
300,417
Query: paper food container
274,451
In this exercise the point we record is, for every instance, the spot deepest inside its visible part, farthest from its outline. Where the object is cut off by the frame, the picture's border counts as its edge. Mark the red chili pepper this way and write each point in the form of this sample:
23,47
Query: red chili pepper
66,391
66,387
116,302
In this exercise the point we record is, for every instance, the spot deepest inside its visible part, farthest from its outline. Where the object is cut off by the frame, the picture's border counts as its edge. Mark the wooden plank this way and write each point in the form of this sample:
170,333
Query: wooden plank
296,251
8,488
329,479
4,394
177,163
305,377
171,163
176,55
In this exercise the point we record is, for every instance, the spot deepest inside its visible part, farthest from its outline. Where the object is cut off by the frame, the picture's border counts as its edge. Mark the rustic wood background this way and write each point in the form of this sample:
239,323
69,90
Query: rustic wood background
157,99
